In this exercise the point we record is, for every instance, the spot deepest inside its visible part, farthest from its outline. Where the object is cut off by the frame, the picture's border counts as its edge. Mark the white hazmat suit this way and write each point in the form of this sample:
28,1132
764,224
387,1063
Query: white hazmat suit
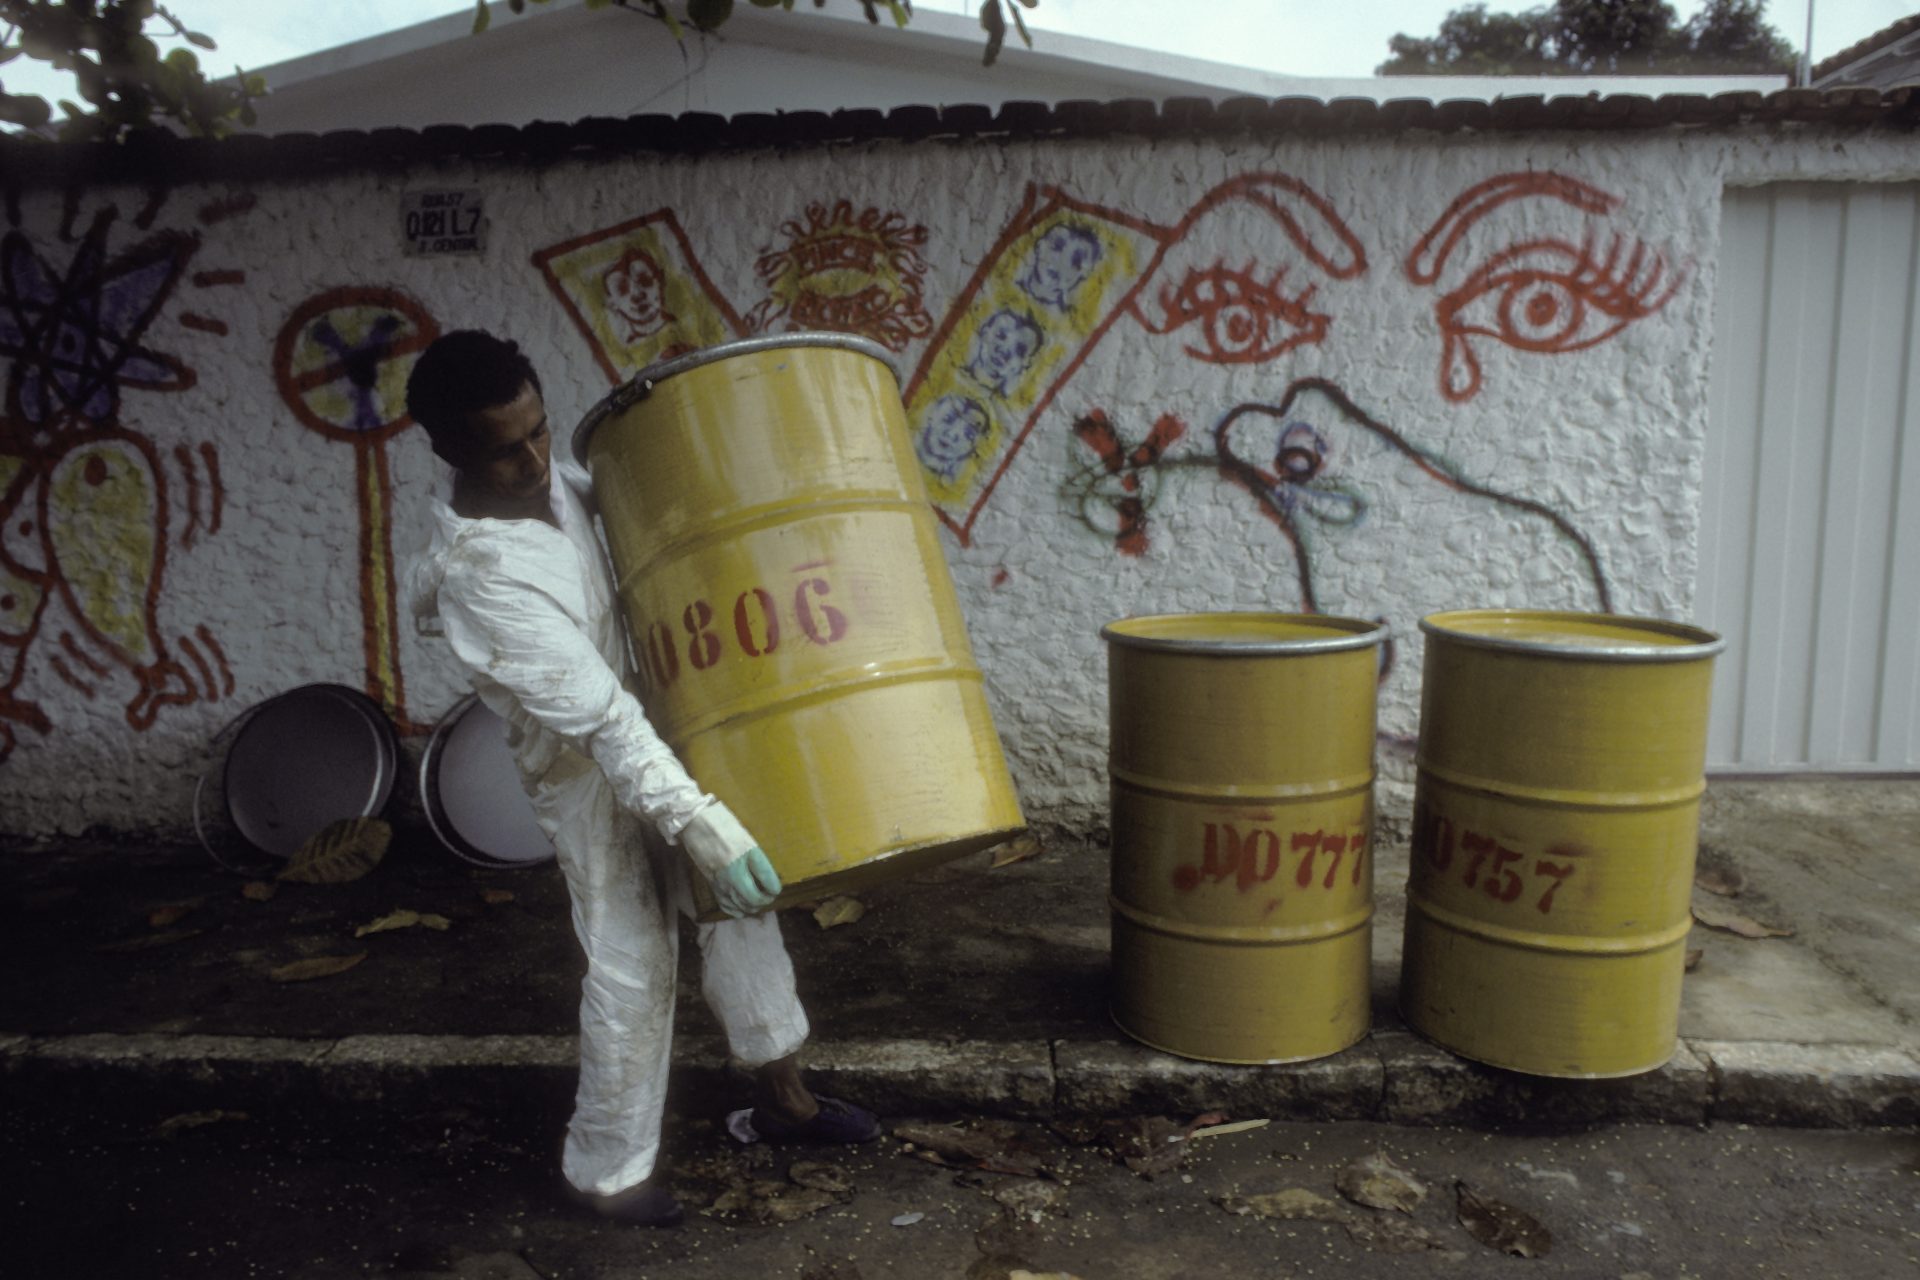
529,610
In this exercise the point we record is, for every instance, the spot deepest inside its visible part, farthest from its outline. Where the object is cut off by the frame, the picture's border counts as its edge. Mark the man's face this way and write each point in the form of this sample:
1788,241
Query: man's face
508,451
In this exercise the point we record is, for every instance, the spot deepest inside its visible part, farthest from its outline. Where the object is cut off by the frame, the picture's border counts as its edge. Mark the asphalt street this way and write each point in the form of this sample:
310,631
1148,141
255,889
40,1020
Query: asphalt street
217,1195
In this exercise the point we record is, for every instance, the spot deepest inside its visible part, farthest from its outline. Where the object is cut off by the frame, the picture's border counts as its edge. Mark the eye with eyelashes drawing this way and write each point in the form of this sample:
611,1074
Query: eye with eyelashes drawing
1548,296
1242,319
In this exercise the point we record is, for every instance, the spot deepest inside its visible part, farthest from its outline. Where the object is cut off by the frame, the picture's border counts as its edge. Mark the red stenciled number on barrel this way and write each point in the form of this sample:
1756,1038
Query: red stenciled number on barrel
1503,883
1559,872
1249,851
703,647
804,596
1480,847
743,622
1309,841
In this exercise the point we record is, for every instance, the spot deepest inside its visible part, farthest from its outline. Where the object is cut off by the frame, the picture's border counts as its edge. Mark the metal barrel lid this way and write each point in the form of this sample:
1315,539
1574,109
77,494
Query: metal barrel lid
305,759
470,789
1235,635
1592,637
641,385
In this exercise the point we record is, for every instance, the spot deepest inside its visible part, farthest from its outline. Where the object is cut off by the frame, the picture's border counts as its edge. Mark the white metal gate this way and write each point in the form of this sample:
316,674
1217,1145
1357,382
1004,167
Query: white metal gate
1810,534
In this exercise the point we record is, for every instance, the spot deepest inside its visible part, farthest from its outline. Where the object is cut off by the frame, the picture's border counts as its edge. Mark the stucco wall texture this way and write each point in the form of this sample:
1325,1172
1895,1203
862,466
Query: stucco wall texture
1374,377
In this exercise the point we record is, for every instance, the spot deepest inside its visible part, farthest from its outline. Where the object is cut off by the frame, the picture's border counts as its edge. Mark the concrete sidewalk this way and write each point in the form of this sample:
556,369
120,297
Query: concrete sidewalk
966,991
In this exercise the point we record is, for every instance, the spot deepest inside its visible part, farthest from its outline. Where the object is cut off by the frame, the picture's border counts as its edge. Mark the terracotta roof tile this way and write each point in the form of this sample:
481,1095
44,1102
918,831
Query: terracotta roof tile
154,155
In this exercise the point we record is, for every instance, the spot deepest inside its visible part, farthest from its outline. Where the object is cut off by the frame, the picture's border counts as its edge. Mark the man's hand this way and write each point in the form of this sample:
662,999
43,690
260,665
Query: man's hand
743,880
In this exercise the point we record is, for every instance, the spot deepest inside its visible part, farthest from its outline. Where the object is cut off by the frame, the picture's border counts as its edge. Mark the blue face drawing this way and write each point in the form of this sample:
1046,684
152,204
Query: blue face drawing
954,427
1003,351
1061,262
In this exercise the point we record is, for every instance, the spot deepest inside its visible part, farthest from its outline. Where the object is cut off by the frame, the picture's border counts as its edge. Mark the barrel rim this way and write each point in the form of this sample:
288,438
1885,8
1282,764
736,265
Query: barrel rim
1701,642
641,384
1360,633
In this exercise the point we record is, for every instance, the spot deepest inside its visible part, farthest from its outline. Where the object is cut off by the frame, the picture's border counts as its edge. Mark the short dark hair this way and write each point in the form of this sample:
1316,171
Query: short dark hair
460,374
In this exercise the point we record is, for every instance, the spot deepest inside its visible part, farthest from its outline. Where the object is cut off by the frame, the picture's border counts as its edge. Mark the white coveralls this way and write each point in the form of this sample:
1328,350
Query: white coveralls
530,612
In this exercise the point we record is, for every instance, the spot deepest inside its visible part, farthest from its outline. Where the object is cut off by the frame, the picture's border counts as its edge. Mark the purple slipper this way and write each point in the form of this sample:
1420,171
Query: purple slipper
835,1122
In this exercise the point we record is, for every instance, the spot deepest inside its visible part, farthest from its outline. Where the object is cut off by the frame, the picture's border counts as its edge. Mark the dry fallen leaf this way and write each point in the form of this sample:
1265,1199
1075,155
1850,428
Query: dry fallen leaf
316,967
1728,882
494,897
403,919
838,911
259,890
1694,955
995,1149
1718,915
1018,849
1293,1202
340,851
1378,1183
1501,1226
194,1120
171,913
147,941
820,1176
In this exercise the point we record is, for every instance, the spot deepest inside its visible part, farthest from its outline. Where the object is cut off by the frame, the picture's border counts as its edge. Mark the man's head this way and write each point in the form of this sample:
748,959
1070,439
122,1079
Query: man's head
478,398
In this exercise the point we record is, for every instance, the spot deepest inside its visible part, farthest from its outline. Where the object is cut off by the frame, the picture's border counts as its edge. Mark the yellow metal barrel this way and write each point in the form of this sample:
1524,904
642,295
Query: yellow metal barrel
1241,764
797,634
1556,814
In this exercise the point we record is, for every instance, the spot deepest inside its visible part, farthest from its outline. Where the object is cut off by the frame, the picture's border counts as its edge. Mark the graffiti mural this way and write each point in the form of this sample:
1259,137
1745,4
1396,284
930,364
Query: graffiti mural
1114,493
1345,489
341,363
1544,294
637,293
86,503
1064,272
848,273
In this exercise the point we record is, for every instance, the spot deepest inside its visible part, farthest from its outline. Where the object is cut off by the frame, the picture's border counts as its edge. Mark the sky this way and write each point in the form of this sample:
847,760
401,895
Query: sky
1296,37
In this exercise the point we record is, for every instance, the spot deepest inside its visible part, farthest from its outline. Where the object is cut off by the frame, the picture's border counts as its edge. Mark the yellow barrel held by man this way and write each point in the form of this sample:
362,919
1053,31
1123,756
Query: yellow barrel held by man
798,637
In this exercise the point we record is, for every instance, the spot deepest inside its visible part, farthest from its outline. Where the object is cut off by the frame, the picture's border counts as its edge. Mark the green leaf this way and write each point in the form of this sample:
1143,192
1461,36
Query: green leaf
8,55
482,18
183,61
26,109
1021,24
199,41
899,12
995,24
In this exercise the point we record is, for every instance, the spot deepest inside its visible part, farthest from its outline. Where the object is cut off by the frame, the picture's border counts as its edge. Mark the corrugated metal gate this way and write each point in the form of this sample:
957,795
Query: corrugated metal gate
1810,535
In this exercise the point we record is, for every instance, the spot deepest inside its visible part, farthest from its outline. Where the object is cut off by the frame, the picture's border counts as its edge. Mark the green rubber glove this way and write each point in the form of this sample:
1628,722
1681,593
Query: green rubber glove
744,882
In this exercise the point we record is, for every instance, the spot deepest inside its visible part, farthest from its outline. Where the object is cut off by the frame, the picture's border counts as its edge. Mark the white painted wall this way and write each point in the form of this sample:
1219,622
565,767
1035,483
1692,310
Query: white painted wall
1605,437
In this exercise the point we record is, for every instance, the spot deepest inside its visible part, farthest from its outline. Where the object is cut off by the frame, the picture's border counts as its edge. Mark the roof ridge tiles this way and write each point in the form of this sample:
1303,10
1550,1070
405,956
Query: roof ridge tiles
157,155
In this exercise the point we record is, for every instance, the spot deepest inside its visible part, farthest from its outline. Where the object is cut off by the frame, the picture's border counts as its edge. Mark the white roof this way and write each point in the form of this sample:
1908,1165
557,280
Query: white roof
563,62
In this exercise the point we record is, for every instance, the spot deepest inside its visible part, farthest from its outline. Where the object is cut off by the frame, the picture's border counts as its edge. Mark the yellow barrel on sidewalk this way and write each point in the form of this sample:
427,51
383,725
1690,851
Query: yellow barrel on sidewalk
1241,764
1556,815
797,634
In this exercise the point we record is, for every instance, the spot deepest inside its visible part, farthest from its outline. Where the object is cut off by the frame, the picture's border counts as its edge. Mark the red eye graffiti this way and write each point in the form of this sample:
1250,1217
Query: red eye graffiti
1242,321
1543,295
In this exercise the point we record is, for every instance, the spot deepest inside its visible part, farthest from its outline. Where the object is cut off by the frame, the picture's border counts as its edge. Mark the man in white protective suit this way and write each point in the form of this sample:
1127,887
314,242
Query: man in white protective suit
515,573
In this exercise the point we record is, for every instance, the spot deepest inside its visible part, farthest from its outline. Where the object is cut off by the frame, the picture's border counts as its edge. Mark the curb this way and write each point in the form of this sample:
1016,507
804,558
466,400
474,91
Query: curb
1392,1076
